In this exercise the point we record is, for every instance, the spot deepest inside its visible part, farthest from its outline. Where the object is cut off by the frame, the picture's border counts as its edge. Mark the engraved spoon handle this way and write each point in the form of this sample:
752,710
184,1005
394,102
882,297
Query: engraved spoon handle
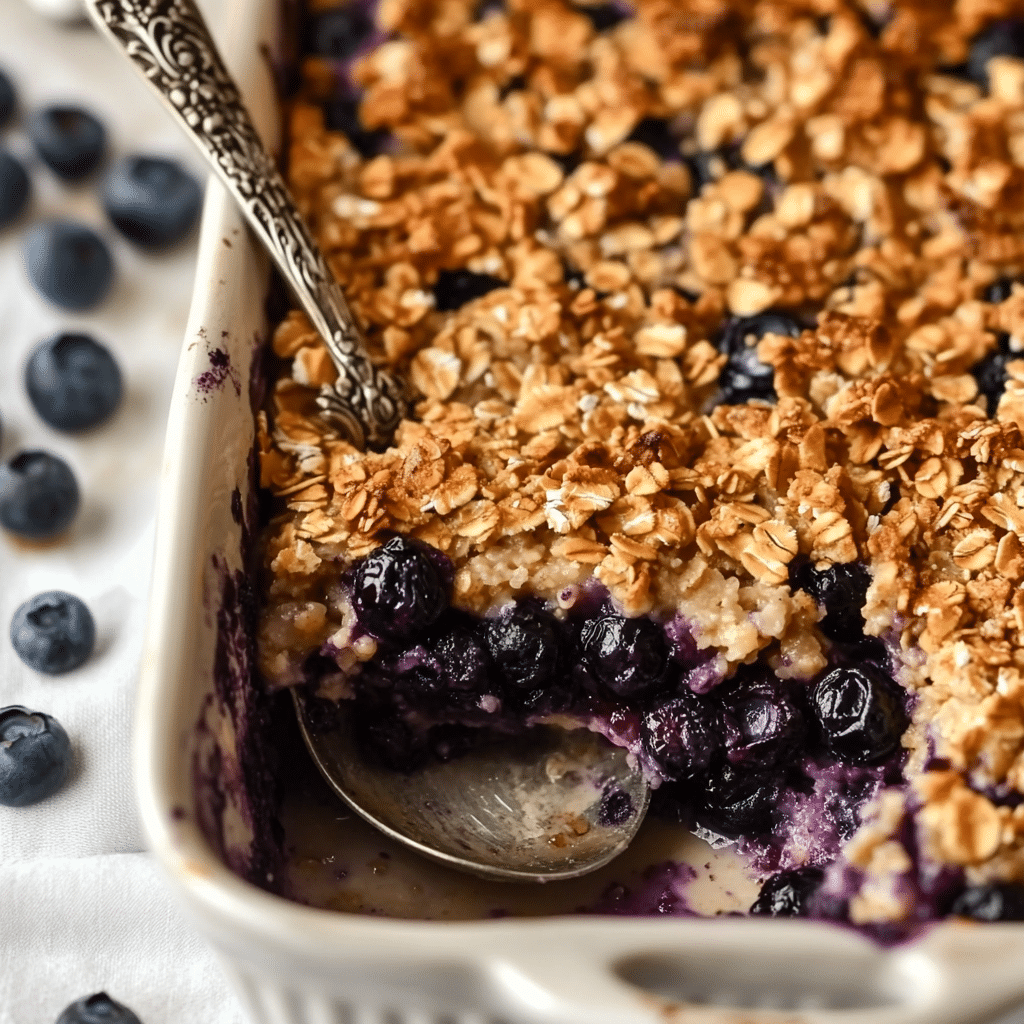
170,46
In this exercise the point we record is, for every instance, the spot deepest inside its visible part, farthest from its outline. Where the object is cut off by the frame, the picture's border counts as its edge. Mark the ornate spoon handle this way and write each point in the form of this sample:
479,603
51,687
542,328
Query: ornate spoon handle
171,47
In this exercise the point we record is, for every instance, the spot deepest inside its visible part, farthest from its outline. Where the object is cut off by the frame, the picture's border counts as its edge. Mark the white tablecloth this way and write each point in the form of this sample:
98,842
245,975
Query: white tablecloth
83,908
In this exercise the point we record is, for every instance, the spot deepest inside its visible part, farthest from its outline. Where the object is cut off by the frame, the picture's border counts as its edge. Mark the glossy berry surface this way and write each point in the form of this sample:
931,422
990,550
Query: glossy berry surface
339,32
69,263
97,1009
342,115
73,381
523,644
152,201
35,756
860,714
38,495
397,590
995,901
1000,39
786,894
8,100
738,802
464,660
15,189
68,139
744,376
455,288
990,374
764,723
841,589
53,632
627,656
681,735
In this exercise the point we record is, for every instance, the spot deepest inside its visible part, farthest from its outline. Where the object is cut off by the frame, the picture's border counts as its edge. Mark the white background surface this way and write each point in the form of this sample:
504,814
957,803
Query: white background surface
82,908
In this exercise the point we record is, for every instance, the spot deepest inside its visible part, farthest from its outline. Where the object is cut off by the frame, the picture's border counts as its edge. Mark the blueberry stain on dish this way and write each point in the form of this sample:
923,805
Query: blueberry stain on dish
8,100
68,263
53,632
152,201
788,893
39,495
454,288
15,189
98,1008
744,376
35,756
1003,38
69,140
73,382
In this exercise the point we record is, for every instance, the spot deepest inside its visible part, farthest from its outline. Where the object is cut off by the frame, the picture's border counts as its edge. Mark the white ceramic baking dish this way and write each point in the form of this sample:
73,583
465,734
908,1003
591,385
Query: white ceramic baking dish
293,964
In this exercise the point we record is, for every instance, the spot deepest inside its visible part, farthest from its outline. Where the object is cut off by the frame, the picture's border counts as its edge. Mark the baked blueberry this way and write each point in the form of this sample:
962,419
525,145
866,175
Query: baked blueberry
744,376
69,263
1000,39
68,139
841,589
339,32
654,133
397,590
455,288
342,115
681,735
464,660
738,802
860,714
8,100
990,373
97,1009
153,201
38,495
999,291
35,756
627,656
994,901
73,381
14,189
523,644
604,16
708,166
387,738
53,632
786,894
763,722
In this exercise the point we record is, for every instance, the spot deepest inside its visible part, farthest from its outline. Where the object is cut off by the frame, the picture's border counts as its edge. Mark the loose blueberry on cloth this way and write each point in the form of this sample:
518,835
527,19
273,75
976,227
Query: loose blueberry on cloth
70,140
97,1009
69,263
73,381
39,495
53,632
35,756
15,189
152,201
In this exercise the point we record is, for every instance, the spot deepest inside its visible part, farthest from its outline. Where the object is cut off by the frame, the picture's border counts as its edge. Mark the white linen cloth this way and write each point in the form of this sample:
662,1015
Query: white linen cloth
84,908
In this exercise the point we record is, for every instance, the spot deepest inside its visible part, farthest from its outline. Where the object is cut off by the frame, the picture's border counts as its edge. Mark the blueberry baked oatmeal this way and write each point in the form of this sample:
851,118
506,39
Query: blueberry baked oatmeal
711,309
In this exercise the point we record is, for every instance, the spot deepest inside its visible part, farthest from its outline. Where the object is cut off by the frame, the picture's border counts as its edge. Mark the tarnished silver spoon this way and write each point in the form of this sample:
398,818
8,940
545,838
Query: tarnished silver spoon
555,806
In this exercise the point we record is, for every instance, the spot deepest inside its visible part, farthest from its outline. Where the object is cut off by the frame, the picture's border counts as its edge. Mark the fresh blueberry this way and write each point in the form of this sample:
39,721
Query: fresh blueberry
994,901
35,756
861,714
841,589
38,495
681,735
628,656
654,133
604,16
786,894
97,1009
764,725
69,263
154,202
455,288
73,381
8,100
342,115
990,373
70,140
999,291
397,590
14,189
737,802
523,644
339,32
744,376
1000,39
53,632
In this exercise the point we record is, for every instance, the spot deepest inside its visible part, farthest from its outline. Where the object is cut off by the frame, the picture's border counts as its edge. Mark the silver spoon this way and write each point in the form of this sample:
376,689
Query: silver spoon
555,806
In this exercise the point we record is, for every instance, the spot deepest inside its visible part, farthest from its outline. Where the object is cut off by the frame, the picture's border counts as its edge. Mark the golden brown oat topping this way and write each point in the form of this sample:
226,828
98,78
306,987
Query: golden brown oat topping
568,425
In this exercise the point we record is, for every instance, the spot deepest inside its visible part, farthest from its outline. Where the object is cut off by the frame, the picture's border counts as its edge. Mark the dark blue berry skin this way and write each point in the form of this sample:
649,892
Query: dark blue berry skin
787,893
70,140
996,901
97,1009
74,382
1000,39
627,656
15,189
604,16
681,735
8,100
654,133
744,376
398,591
764,723
990,373
455,288
38,495
342,115
464,660
999,291
338,33
737,802
53,632
69,263
860,714
154,202
35,756
523,645
708,166
842,590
